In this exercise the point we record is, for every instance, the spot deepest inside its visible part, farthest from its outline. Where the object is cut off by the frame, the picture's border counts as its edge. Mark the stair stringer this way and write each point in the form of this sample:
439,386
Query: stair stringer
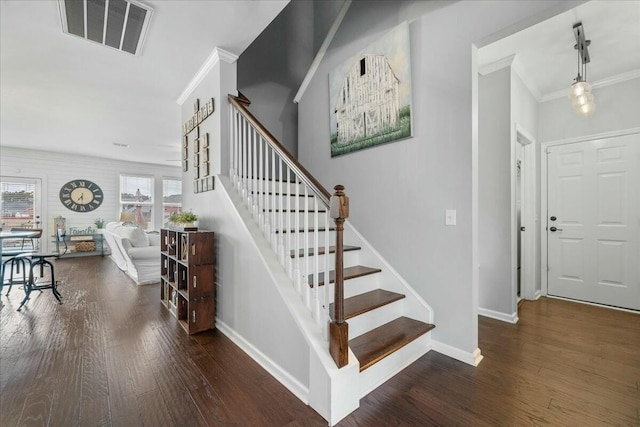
333,393
412,306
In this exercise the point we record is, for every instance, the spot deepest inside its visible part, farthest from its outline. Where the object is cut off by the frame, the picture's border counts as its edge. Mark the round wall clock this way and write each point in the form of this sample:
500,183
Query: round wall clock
81,195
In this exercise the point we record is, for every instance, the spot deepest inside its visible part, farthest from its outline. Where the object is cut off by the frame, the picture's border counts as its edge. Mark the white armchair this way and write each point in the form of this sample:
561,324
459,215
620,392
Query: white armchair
135,252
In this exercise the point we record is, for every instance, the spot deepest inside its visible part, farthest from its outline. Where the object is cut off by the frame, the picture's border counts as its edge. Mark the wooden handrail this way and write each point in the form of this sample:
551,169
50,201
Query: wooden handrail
338,207
306,177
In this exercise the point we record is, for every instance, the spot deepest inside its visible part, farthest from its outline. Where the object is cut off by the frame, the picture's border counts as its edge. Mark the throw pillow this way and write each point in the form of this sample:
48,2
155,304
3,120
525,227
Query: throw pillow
136,236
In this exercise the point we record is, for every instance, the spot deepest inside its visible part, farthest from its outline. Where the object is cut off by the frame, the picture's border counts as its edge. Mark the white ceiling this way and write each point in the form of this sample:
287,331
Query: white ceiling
62,93
546,55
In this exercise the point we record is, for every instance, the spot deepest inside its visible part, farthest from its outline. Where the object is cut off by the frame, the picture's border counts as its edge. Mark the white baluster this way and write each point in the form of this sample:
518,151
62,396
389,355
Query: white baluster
327,297
289,228
274,206
296,232
307,240
316,260
261,224
282,211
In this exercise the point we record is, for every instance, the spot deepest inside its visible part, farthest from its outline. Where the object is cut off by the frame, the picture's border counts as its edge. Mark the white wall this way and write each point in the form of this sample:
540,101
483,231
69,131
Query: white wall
494,193
616,109
56,169
399,191
247,299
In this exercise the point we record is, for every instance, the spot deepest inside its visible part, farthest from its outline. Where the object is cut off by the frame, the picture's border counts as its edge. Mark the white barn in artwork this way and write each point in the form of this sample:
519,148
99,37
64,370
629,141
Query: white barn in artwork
368,101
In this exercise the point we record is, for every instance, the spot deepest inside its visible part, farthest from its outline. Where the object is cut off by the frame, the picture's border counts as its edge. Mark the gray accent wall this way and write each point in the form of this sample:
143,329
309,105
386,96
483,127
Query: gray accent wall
399,191
272,68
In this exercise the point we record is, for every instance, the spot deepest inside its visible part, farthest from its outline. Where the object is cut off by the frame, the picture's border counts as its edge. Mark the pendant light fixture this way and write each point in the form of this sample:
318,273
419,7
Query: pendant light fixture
580,91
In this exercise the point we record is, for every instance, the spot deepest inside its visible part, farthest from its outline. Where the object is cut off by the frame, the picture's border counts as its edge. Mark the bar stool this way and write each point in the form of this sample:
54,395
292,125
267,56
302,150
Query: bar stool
14,262
39,260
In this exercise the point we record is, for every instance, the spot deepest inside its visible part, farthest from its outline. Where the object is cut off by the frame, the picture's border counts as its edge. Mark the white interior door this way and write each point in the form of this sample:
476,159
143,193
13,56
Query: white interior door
593,221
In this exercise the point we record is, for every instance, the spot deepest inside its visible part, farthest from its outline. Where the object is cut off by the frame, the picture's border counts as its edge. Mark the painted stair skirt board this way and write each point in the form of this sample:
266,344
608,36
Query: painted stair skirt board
384,338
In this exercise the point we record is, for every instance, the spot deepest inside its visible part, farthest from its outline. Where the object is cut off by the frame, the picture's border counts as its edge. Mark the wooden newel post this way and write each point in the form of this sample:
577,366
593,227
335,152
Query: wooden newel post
338,328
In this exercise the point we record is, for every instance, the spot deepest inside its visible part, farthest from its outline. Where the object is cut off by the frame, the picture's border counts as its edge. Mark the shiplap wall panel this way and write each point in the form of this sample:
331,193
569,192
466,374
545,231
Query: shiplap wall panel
56,169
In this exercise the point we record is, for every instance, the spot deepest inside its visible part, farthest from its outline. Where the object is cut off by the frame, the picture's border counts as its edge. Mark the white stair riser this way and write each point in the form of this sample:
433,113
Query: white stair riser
350,259
377,374
361,285
266,199
277,188
309,240
287,220
372,319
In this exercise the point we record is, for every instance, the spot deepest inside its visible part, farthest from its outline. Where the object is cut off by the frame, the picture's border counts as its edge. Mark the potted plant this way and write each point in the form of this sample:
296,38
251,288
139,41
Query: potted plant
184,220
99,222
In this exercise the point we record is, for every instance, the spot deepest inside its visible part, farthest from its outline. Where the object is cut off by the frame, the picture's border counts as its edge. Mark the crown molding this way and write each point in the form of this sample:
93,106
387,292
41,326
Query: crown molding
630,75
216,56
496,65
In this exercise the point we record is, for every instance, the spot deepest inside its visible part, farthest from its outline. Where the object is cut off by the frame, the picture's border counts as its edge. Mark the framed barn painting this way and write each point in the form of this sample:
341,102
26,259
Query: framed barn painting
370,95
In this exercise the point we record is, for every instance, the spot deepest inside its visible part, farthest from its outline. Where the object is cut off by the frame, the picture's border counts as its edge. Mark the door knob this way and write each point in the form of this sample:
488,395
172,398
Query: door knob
554,229
522,228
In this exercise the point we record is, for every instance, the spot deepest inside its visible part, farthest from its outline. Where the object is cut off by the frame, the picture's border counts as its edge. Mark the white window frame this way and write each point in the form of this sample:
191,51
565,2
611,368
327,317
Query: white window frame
179,205
122,203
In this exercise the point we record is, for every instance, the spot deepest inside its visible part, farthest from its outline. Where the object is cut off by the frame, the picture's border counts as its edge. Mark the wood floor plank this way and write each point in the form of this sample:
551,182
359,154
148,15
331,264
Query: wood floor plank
156,409
68,389
37,407
563,363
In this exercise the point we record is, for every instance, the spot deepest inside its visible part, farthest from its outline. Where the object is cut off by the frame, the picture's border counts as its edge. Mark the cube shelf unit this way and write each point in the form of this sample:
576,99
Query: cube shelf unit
187,269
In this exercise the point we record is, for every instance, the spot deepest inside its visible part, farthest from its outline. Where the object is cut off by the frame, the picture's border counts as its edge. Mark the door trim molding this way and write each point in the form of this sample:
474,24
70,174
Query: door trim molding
544,262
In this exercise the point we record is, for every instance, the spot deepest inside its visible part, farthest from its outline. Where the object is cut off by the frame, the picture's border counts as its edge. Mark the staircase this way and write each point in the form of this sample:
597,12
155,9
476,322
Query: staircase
388,323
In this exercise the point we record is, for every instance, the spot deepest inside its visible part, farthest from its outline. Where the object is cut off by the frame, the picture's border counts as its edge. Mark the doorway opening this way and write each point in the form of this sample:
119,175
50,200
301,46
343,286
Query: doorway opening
20,207
524,212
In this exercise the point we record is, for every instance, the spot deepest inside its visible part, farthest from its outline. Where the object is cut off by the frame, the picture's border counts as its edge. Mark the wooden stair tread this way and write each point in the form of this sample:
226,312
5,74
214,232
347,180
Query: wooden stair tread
380,342
310,230
365,302
332,250
349,273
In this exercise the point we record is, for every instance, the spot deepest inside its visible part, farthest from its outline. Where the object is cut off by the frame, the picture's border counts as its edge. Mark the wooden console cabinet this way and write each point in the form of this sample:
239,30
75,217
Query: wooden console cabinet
187,285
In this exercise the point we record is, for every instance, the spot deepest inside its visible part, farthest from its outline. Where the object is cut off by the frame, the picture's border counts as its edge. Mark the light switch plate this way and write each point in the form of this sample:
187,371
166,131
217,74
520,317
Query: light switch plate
450,217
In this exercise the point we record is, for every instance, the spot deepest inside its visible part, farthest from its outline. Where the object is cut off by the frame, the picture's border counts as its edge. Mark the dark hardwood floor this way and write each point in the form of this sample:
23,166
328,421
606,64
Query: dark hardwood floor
111,355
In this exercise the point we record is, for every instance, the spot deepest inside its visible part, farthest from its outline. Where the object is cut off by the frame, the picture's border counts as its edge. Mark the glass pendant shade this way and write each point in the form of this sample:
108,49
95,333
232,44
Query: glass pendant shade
580,94
579,88
585,109
585,98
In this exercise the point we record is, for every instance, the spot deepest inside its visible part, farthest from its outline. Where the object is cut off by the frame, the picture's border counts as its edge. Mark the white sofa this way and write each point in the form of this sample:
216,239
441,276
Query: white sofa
135,252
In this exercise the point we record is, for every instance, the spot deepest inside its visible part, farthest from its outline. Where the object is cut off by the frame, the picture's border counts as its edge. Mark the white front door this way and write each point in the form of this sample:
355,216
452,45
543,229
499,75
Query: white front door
593,221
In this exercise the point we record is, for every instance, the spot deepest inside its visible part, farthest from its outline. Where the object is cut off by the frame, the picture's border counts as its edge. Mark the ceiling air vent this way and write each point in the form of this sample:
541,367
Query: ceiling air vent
119,24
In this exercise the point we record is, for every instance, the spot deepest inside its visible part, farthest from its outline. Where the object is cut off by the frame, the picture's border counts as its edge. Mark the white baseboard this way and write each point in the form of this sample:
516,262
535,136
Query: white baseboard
292,384
472,359
537,295
510,318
